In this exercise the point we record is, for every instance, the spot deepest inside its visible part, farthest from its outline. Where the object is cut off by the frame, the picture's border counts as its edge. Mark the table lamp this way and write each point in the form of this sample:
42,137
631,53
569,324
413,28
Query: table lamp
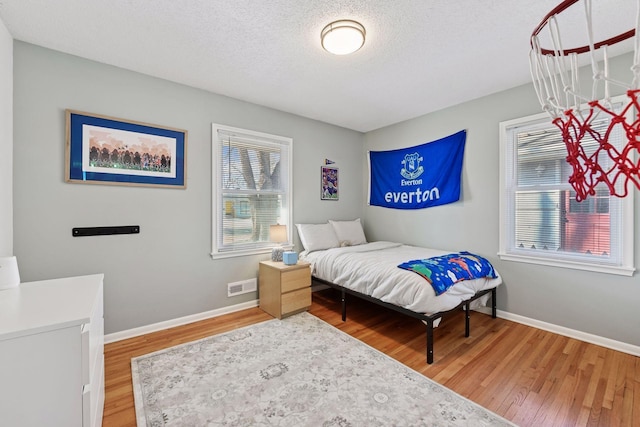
277,234
9,273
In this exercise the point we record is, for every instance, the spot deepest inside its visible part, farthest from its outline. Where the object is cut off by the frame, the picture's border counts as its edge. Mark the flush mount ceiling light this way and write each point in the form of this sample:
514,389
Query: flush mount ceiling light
342,37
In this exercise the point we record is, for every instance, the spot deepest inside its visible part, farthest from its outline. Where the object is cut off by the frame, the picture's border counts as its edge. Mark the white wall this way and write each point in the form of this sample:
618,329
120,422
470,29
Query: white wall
595,303
166,271
6,142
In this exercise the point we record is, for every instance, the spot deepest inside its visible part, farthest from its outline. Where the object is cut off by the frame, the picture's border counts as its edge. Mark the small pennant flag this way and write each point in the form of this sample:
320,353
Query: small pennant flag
328,162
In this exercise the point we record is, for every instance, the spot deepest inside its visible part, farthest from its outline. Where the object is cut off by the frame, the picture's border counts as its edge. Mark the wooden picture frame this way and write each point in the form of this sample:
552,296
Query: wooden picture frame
107,150
329,186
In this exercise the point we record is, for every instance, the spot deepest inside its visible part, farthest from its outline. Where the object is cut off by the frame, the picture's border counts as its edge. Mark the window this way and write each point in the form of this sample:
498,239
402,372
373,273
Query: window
540,220
251,190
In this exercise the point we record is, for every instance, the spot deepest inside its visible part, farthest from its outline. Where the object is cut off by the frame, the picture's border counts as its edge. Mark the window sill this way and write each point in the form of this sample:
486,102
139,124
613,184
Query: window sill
608,269
247,252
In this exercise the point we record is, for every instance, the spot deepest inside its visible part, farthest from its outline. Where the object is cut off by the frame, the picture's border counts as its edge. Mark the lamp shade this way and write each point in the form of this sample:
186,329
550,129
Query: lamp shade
278,233
9,273
342,37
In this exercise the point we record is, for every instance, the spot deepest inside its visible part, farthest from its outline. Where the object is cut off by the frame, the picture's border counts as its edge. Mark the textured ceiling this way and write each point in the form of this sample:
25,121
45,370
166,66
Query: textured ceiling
420,56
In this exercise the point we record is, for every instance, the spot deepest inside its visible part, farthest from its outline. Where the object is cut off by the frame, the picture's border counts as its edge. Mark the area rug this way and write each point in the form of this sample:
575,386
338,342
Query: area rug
299,371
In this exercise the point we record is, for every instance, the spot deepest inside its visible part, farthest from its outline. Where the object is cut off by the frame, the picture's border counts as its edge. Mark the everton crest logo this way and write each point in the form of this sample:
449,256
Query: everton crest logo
411,168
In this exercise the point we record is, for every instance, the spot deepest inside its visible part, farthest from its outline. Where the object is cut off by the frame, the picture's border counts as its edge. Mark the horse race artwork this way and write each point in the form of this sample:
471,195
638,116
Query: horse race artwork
106,150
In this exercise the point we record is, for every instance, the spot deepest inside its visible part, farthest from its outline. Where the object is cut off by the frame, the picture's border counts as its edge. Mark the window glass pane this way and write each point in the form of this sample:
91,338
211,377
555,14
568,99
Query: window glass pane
246,219
537,224
250,167
542,154
543,222
541,157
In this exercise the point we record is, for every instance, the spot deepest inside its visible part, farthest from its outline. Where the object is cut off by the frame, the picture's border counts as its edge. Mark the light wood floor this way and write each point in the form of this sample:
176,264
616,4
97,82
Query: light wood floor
529,376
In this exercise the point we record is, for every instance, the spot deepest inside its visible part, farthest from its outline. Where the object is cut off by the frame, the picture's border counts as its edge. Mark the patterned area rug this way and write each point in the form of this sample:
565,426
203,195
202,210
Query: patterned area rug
299,371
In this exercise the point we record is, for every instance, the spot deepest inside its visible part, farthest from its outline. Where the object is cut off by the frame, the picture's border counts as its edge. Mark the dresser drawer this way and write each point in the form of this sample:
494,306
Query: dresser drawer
296,300
295,279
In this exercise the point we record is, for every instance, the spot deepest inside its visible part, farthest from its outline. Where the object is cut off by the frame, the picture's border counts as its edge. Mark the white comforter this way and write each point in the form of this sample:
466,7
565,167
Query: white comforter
372,269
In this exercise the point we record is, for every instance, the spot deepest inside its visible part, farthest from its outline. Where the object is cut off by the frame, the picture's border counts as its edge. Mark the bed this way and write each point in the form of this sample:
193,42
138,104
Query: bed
341,258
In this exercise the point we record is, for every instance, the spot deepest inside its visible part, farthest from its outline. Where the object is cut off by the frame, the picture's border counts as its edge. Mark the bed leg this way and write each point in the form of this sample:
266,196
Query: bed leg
493,303
343,297
429,342
466,319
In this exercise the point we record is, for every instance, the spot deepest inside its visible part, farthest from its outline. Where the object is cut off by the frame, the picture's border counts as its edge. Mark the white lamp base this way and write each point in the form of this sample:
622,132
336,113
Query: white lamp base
276,254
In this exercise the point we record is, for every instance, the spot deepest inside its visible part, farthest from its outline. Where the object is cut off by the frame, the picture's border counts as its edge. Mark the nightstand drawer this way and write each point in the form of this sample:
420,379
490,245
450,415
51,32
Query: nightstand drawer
296,300
295,279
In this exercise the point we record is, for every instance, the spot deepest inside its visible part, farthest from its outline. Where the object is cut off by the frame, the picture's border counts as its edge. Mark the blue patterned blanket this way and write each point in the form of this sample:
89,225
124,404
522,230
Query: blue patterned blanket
444,271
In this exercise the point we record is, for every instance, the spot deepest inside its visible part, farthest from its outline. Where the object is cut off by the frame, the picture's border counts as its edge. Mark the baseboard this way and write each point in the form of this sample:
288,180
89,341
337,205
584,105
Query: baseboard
567,332
130,333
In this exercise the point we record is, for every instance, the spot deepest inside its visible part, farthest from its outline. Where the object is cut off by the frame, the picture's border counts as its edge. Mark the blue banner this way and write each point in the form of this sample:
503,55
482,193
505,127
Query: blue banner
417,177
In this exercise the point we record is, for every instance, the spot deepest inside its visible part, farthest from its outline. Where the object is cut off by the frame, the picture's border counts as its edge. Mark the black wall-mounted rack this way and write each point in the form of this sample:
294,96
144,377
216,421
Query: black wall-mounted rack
105,231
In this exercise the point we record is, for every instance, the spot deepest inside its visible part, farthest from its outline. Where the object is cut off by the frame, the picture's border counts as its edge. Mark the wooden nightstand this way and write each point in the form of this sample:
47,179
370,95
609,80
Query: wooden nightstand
284,289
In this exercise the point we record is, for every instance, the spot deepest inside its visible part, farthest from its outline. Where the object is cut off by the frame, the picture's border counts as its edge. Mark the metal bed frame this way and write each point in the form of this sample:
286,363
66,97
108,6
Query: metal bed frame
427,319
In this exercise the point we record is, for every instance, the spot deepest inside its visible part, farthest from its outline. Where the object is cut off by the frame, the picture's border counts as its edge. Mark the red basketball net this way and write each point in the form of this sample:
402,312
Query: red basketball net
591,169
556,80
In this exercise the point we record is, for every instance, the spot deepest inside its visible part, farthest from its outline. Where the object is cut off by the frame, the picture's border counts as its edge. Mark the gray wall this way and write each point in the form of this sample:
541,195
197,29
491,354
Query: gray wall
6,142
595,303
166,271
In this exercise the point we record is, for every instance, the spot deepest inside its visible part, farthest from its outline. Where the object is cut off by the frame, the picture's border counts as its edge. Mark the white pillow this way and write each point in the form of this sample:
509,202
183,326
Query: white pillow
316,237
350,233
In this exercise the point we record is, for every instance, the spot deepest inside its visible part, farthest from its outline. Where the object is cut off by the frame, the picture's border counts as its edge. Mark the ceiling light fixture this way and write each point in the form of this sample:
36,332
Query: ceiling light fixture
342,37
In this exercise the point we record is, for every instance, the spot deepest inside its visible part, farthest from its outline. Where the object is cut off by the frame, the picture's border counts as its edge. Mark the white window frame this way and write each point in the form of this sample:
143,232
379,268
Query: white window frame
509,252
286,215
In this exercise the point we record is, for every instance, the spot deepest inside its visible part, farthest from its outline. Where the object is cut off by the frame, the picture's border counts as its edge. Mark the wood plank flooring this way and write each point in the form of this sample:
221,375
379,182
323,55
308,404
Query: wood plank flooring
529,376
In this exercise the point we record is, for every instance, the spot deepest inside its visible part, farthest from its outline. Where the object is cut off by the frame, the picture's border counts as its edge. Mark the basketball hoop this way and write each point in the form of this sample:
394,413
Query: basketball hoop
555,76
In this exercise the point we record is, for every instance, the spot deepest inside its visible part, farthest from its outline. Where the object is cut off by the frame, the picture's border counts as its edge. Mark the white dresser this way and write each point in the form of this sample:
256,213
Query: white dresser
51,353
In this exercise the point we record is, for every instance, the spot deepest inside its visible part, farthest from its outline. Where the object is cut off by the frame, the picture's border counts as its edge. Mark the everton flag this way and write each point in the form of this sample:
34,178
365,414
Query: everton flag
417,177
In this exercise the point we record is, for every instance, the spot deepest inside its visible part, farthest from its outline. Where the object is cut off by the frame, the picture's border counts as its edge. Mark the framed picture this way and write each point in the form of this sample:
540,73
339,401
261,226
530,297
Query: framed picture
329,179
106,150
